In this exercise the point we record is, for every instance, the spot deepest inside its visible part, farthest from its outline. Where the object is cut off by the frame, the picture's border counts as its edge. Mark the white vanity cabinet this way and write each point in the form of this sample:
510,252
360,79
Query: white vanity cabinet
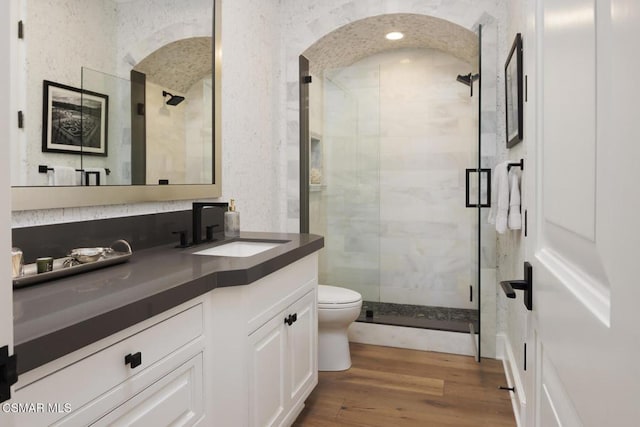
271,365
237,356
150,372
282,364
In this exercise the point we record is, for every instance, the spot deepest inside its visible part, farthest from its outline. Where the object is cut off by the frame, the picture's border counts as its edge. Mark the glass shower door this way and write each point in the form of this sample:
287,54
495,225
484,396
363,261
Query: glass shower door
344,194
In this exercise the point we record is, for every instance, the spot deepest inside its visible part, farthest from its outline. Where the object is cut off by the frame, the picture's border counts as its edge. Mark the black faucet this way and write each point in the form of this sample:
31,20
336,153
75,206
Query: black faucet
196,217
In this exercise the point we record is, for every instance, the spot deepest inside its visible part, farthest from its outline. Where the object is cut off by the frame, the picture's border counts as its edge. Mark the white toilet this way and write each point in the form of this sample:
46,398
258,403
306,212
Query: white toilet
337,309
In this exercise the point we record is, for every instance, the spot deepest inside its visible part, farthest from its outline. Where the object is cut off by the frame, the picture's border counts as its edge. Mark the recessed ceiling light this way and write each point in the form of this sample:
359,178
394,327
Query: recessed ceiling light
395,35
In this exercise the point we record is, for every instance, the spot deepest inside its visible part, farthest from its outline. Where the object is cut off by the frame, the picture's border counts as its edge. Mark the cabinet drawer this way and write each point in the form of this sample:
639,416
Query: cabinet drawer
85,380
175,400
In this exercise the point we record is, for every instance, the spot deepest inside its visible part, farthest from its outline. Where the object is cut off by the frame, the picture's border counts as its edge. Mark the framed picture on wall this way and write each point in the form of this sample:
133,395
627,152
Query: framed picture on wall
74,120
514,93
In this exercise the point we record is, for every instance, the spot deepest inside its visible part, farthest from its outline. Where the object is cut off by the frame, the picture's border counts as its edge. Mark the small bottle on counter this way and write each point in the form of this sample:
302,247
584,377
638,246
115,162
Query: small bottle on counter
17,262
232,221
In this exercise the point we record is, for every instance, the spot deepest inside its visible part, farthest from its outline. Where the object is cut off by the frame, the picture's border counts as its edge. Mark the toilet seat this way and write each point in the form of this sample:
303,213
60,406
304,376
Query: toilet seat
333,297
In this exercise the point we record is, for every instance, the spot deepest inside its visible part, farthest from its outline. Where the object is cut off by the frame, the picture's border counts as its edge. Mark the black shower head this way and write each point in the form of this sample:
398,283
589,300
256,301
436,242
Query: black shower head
174,99
467,79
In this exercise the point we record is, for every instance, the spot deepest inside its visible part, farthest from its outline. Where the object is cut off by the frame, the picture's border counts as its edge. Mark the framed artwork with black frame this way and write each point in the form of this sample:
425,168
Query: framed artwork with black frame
74,120
514,93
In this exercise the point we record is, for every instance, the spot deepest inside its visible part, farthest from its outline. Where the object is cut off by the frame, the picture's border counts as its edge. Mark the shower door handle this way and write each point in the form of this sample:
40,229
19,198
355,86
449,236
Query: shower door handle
487,173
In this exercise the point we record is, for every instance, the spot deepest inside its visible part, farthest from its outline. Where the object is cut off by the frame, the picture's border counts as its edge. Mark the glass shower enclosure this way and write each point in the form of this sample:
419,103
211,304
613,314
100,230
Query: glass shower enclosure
397,188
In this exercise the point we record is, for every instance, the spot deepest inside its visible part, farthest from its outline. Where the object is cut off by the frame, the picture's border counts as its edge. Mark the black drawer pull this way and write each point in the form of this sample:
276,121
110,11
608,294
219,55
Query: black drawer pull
291,319
134,359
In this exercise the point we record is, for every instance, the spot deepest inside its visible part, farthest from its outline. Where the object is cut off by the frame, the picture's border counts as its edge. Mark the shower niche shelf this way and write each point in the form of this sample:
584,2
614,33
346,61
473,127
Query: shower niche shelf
315,162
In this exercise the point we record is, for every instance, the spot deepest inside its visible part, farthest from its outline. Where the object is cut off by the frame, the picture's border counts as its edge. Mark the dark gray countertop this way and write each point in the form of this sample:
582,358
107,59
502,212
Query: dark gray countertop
55,318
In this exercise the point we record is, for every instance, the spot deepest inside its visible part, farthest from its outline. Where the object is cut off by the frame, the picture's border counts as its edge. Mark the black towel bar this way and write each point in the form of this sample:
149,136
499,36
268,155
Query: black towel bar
520,165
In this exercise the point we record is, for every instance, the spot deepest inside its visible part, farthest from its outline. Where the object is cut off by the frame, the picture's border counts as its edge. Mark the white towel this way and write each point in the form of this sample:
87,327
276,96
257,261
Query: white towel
499,197
62,175
92,177
515,219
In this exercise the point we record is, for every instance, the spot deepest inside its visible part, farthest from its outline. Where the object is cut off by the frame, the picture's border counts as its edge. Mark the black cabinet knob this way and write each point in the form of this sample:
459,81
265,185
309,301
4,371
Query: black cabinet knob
291,319
134,360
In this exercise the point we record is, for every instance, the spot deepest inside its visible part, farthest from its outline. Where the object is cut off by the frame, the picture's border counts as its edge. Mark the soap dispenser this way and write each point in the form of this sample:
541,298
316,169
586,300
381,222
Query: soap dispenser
232,221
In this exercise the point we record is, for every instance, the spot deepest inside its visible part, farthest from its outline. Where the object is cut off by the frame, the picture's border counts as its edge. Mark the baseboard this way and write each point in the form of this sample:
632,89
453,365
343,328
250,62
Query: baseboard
412,338
504,351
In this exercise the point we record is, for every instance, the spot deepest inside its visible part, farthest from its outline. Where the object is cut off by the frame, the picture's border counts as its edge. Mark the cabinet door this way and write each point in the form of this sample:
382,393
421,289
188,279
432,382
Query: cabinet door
267,354
176,400
302,344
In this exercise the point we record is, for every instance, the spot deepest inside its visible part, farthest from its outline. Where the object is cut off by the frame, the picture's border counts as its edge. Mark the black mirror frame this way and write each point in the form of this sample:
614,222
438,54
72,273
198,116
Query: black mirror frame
516,49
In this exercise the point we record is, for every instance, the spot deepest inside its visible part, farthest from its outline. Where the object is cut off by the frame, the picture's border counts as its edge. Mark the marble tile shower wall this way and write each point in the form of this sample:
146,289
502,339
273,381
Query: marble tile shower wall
428,127
395,186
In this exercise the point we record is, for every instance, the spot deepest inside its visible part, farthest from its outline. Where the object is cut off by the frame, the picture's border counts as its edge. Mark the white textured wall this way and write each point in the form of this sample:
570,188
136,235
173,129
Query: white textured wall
144,26
250,114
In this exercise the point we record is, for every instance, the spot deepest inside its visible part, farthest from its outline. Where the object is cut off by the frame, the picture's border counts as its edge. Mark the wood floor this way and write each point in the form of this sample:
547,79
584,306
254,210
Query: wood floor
390,387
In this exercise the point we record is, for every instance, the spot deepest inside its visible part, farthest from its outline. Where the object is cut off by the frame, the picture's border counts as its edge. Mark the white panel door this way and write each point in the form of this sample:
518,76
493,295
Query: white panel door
583,204
267,347
302,339
7,133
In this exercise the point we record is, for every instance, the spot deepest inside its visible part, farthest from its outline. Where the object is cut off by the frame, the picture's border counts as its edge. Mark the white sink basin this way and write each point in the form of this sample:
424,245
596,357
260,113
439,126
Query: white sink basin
239,249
